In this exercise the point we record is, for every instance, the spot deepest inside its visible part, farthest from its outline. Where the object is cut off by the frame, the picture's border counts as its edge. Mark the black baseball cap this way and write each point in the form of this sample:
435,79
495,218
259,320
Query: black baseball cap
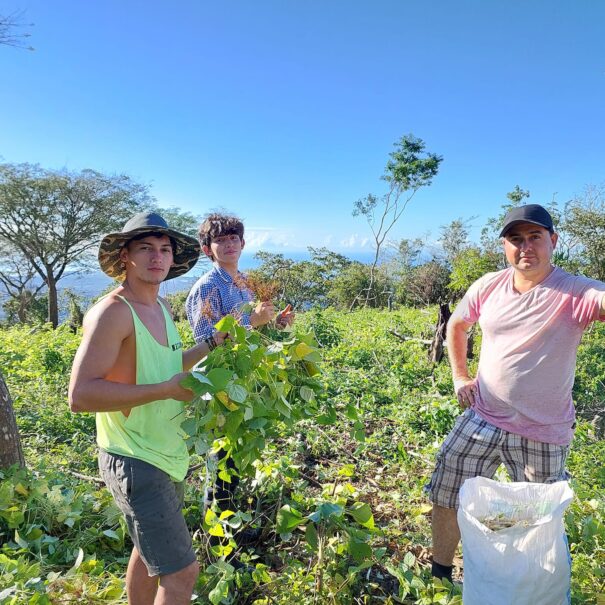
530,213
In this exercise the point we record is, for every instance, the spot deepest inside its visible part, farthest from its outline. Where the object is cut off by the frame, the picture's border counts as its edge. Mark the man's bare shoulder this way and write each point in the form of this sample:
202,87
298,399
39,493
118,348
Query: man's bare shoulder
109,313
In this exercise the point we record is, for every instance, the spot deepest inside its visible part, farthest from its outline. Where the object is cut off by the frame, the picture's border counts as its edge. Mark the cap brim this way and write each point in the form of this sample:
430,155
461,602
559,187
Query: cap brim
506,228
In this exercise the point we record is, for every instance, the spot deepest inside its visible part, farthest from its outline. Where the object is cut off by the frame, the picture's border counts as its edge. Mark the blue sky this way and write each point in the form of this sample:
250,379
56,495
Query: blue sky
285,111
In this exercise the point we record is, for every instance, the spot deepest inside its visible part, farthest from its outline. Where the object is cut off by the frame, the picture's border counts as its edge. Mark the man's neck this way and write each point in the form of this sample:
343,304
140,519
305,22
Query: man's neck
230,268
525,281
142,293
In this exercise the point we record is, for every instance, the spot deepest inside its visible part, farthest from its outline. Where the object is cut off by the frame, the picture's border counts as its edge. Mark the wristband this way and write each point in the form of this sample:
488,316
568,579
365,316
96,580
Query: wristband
210,342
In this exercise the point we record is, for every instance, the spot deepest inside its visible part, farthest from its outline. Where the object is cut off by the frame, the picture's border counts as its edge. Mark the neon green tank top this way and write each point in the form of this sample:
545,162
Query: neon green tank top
151,432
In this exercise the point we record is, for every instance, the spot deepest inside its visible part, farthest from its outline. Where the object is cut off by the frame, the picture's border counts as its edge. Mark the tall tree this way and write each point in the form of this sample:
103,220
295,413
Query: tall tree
11,451
584,222
410,167
55,218
17,276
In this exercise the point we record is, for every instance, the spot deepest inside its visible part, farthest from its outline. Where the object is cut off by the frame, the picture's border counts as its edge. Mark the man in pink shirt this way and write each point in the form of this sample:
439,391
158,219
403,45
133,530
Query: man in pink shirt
519,406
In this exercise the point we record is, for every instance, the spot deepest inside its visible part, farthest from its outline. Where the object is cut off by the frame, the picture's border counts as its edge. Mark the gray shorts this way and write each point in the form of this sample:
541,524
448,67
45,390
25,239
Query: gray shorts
475,448
152,504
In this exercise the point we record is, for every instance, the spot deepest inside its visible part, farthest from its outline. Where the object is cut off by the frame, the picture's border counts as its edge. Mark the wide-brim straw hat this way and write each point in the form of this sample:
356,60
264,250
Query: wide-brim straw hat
185,255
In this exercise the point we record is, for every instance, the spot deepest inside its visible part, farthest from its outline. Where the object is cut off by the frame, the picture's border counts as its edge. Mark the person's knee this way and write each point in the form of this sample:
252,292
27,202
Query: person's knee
191,572
184,578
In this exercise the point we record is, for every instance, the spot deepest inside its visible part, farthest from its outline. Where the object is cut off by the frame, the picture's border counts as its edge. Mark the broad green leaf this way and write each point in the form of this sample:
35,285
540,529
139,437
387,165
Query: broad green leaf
217,530
302,349
232,423
311,536
359,550
237,393
362,513
225,324
219,592
325,511
409,559
306,393
351,412
210,518
111,534
283,407
288,518
198,383
220,377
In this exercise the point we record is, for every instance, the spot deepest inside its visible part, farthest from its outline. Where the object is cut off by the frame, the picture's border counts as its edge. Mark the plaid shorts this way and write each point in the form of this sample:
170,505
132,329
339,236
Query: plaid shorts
475,448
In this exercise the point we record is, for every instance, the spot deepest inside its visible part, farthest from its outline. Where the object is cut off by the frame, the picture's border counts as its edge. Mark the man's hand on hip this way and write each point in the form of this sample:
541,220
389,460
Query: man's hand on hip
466,391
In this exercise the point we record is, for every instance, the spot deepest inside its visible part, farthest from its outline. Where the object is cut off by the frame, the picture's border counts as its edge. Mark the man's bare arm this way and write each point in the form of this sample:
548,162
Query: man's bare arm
457,342
105,329
194,354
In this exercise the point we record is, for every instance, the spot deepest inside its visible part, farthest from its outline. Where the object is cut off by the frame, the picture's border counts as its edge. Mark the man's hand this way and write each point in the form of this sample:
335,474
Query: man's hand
263,313
220,338
176,391
285,318
466,390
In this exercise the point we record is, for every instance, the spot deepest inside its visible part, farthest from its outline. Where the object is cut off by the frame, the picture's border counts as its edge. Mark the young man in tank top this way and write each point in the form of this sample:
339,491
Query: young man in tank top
519,406
128,370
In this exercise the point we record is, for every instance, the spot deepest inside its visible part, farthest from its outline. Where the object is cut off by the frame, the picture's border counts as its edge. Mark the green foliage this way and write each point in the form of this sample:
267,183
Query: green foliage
351,286
304,283
585,223
26,308
424,285
249,389
55,217
336,496
468,266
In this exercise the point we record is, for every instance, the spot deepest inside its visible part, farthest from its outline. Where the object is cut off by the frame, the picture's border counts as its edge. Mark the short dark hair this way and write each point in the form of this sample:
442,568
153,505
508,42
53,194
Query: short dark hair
151,234
217,225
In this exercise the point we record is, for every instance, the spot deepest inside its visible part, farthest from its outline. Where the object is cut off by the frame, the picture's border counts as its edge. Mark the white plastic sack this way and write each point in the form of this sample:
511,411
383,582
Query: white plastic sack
525,564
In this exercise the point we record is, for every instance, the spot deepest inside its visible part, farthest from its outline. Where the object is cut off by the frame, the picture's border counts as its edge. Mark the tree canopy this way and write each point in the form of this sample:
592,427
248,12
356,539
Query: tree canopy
54,218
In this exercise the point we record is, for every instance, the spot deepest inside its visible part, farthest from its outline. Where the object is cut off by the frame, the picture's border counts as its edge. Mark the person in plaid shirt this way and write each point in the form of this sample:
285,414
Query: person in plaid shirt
223,291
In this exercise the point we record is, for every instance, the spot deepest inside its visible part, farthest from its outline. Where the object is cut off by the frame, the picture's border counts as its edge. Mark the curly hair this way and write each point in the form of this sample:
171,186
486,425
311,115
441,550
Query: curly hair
216,225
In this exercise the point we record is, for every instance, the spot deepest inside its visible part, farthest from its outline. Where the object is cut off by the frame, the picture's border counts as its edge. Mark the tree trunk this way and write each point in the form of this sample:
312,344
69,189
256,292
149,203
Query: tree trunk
53,305
10,442
436,348
470,343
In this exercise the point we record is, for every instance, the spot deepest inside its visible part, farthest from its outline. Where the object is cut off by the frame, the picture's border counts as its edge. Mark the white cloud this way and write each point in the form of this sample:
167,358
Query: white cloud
355,241
268,237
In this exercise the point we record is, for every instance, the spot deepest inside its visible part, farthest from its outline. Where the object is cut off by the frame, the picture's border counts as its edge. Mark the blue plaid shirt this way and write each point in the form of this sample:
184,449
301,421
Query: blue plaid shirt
213,296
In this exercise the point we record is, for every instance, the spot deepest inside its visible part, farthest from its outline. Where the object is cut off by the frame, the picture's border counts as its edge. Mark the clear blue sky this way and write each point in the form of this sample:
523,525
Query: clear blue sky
285,111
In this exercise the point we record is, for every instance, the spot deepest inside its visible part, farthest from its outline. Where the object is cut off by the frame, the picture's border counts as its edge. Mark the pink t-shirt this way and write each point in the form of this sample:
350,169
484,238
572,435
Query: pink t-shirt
528,351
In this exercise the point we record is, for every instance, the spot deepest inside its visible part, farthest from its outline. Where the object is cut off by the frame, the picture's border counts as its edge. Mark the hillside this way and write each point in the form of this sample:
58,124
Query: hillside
337,500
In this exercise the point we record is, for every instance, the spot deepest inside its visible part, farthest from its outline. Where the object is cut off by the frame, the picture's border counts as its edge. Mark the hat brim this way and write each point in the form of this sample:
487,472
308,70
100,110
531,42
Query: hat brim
185,256
507,228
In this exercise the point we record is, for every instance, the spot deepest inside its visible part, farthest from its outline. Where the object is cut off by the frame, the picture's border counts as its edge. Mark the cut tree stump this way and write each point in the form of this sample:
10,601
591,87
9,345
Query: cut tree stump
436,348
11,451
